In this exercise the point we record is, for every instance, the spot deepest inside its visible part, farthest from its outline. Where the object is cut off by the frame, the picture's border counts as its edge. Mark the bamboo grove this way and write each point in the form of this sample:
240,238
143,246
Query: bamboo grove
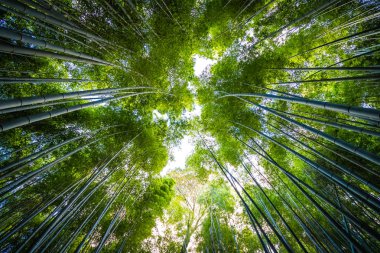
95,95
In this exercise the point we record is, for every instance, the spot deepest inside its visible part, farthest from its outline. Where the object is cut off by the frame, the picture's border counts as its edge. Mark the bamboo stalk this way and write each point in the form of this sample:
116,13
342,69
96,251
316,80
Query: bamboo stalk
276,210
11,187
366,198
10,49
362,153
6,234
297,182
13,80
50,12
11,103
13,35
338,79
51,20
57,112
350,110
229,176
361,34
336,125
375,69
340,167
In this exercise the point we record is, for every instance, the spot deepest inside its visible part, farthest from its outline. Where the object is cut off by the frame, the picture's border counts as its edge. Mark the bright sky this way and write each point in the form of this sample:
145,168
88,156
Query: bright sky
201,63
186,146
184,149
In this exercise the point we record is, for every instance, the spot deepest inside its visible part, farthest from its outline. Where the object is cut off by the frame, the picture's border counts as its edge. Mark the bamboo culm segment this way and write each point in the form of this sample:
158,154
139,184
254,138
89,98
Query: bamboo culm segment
10,34
29,11
54,113
350,110
336,125
355,150
371,201
13,80
11,103
10,49
50,12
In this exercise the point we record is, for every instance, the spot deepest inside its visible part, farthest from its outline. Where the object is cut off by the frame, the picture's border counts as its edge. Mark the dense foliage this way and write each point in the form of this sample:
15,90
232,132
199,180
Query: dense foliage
94,96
